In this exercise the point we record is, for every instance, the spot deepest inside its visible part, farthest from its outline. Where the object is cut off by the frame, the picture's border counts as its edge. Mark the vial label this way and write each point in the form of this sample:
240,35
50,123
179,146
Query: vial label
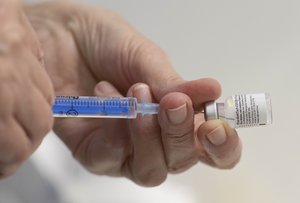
250,109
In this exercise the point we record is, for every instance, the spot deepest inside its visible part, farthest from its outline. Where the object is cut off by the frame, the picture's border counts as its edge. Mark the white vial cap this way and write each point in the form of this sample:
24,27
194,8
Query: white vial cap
211,111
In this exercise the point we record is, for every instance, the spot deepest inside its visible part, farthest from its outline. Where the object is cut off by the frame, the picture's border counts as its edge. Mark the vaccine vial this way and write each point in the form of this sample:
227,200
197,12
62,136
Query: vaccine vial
242,110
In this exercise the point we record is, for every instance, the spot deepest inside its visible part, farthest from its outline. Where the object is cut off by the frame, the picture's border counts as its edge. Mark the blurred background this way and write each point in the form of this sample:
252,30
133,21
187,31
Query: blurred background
250,47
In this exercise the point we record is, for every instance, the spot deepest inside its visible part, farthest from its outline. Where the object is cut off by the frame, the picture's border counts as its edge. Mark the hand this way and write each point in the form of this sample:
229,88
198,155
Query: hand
26,92
91,51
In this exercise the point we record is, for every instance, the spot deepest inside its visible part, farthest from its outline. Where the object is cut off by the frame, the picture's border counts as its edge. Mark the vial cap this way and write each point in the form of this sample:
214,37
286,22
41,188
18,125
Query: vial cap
211,111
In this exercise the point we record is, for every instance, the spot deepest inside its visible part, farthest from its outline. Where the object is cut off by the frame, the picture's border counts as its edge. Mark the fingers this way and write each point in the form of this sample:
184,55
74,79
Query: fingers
150,65
146,62
16,29
25,113
134,57
44,85
41,119
14,146
33,96
104,149
176,119
25,118
106,89
199,91
146,166
220,143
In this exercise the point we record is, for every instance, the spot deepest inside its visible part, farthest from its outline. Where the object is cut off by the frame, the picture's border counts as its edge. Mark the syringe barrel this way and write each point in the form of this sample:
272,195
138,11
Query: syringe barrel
97,107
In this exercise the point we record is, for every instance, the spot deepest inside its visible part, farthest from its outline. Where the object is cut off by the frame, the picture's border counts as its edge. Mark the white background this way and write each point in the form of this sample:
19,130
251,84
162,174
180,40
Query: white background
249,46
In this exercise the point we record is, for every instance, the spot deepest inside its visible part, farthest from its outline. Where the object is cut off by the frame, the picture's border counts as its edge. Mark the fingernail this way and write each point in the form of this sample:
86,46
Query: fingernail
217,136
104,88
177,115
99,89
142,91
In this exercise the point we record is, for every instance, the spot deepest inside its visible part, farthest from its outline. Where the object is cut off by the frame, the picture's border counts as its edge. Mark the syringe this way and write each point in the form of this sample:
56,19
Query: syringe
101,107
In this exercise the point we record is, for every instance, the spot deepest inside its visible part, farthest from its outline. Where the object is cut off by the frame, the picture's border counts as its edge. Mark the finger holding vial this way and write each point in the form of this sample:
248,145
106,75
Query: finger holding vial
218,138
220,144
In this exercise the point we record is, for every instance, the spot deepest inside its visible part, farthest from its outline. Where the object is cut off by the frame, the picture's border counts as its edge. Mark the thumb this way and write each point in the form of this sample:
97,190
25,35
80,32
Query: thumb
126,57
148,63
199,91
151,65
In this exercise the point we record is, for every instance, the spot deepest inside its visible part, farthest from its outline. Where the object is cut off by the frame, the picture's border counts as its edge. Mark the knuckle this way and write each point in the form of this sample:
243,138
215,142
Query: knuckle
214,88
11,43
229,165
8,170
182,165
6,101
45,124
145,51
16,158
177,137
10,74
227,158
21,154
150,52
51,97
151,178
226,163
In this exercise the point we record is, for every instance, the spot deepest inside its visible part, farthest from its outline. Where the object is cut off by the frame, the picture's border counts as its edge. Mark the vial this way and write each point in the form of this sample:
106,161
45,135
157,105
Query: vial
242,110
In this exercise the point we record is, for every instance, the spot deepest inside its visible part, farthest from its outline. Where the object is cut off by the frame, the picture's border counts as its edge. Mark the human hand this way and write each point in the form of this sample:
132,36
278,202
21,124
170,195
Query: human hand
91,51
26,92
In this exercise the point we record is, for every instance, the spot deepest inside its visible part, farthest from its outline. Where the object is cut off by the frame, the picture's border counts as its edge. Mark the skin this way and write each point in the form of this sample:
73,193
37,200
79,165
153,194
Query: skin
20,99
81,50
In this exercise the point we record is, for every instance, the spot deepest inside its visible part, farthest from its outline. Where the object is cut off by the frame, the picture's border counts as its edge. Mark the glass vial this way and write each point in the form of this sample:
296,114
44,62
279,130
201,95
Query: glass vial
242,110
